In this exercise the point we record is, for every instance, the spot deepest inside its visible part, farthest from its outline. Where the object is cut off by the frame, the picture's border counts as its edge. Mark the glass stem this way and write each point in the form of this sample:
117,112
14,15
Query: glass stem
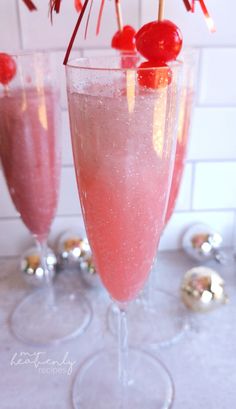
42,246
123,355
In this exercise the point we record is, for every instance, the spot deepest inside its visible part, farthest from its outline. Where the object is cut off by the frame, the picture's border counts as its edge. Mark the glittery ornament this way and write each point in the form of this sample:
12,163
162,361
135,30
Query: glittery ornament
32,268
202,289
202,243
70,248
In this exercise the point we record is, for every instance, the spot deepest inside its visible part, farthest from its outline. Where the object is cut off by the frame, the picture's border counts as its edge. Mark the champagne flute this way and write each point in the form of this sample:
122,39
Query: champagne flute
123,138
31,159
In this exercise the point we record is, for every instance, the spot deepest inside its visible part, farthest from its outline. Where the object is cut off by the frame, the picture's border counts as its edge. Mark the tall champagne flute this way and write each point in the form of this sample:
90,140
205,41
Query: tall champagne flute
31,159
123,138
158,317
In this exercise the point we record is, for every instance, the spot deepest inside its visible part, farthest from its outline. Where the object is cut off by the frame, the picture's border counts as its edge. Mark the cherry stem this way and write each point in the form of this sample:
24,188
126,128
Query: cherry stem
161,9
119,15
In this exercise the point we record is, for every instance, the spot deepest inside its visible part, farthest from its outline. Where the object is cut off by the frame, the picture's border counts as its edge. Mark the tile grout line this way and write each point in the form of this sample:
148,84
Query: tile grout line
19,25
199,77
215,160
140,14
192,185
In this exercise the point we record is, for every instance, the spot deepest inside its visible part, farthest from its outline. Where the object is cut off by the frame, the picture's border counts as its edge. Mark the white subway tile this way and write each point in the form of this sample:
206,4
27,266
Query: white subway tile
69,198
223,222
217,85
184,198
7,208
193,26
38,32
67,157
61,74
61,77
213,134
10,33
15,238
215,186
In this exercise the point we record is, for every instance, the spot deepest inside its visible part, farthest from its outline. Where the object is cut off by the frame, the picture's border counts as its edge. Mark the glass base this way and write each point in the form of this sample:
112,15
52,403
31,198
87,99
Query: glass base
43,318
97,386
160,323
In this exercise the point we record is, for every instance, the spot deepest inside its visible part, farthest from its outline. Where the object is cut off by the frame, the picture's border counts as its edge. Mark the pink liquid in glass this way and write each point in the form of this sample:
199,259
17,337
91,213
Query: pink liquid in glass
122,165
181,150
30,154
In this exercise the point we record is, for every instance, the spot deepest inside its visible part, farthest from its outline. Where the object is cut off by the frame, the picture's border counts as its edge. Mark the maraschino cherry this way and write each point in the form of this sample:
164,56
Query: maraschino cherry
124,40
154,78
7,68
159,40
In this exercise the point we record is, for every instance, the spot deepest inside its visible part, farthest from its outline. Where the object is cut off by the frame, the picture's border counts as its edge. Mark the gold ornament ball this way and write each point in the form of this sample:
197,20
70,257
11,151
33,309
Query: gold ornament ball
203,289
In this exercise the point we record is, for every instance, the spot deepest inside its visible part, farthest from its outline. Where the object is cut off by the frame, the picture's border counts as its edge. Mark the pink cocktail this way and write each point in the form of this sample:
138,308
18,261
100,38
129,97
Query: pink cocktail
29,129
122,172
123,137
31,159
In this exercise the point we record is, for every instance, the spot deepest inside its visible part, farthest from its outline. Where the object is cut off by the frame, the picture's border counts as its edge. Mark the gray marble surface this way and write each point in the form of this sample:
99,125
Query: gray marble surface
202,362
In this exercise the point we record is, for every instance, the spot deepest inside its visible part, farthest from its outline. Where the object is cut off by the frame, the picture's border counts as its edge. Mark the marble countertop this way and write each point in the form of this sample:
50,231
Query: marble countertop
202,362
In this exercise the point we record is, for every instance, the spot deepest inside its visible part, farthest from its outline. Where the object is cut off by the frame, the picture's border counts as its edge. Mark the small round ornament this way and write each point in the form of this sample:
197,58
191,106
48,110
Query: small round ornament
32,268
203,289
202,243
70,248
75,251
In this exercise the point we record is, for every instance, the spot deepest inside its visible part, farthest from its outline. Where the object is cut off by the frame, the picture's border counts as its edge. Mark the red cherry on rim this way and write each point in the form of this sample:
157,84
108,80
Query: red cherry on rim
159,40
123,40
7,68
154,78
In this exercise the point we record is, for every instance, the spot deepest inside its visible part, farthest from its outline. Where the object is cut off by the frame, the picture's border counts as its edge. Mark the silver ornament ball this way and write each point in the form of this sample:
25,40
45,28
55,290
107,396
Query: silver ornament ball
69,248
202,243
203,289
32,268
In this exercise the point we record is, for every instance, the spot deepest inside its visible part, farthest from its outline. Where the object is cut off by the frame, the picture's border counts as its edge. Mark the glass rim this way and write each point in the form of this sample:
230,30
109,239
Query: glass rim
81,64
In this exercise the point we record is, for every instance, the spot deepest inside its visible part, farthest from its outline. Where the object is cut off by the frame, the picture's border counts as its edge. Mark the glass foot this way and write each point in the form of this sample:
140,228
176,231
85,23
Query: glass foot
45,319
97,386
160,323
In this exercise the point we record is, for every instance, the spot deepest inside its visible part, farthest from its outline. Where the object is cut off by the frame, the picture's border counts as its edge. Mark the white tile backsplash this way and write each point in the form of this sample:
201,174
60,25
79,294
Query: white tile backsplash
67,157
217,86
69,198
215,186
184,199
208,191
9,29
213,134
